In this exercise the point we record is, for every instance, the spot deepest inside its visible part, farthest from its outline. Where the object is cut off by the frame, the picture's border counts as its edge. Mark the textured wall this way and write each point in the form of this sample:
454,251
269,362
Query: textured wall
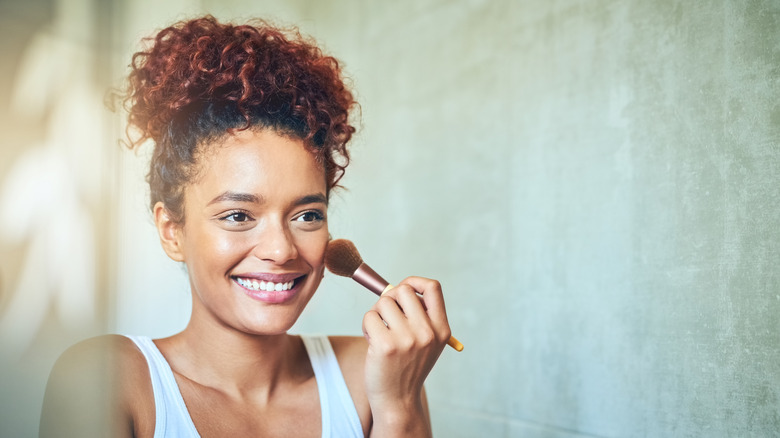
596,185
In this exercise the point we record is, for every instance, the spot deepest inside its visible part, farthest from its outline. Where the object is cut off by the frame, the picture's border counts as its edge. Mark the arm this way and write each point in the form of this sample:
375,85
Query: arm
81,394
406,330
413,422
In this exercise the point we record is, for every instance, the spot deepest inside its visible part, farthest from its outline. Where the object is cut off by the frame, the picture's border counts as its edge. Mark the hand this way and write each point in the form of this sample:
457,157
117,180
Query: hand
406,330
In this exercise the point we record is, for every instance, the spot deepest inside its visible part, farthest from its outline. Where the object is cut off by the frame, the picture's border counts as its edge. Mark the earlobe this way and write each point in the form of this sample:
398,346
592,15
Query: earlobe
169,231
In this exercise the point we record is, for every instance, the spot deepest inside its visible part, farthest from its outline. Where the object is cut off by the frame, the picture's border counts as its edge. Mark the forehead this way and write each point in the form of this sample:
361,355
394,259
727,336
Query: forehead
261,162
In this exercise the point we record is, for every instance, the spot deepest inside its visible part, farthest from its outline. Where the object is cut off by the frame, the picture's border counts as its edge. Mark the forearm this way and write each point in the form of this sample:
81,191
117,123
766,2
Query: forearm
407,330
409,420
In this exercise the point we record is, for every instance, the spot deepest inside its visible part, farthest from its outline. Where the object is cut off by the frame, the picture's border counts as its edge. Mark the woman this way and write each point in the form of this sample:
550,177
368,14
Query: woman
250,126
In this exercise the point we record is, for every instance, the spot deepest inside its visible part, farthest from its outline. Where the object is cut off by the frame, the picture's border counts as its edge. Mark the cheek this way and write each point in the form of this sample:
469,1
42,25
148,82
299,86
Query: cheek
312,248
229,249
218,248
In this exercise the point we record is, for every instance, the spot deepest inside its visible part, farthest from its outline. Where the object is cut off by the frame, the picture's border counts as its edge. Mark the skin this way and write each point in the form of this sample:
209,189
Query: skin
257,206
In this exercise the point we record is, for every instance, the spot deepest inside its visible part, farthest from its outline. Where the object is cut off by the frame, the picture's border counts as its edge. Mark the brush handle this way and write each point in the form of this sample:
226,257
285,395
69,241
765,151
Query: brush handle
378,285
455,343
370,279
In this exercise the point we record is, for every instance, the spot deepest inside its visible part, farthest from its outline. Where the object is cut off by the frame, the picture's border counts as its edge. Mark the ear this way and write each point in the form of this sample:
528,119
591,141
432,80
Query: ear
169,231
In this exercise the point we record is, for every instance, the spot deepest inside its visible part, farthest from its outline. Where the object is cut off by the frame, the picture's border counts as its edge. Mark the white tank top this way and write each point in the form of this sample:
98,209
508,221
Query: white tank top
339,416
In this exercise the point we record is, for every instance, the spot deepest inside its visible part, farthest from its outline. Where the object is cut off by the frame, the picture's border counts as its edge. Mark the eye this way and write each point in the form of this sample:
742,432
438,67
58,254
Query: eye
236,216
310,216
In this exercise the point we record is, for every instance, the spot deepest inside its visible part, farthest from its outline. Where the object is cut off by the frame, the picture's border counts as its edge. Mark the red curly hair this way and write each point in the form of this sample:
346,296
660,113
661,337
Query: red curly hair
200,80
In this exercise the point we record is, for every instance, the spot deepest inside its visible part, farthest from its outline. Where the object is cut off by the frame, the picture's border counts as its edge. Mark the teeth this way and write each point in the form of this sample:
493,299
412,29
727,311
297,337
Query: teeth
264,285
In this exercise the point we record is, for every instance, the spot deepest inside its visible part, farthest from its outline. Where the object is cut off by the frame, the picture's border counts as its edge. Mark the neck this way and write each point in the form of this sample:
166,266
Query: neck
234,362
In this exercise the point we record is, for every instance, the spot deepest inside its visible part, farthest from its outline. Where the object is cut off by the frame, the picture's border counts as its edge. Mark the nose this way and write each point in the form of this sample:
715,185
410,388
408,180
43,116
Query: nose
276,245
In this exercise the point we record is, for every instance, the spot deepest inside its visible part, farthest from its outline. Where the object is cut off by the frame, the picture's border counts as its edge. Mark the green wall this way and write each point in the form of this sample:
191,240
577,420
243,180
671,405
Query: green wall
596,185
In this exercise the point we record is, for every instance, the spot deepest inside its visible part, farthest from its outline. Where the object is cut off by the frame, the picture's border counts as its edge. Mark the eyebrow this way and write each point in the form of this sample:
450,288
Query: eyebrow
229,196
236,197
317,198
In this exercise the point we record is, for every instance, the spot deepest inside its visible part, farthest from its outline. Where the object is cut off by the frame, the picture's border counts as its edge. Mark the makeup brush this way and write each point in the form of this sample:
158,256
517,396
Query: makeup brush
342,258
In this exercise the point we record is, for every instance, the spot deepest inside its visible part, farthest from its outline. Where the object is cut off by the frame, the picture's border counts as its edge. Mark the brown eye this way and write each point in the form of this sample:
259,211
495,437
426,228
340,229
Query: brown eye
311,216
236,217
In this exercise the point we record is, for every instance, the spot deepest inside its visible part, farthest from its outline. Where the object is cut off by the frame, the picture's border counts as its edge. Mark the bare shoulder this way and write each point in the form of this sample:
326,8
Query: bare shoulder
351,355
349,348
104,374
111,357
99,348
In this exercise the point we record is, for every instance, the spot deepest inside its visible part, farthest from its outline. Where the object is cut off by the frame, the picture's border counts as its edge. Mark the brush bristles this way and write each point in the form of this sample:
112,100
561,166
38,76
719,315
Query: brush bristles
342,258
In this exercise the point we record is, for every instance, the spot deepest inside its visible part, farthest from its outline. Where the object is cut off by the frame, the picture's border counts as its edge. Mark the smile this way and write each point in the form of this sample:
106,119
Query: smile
269,286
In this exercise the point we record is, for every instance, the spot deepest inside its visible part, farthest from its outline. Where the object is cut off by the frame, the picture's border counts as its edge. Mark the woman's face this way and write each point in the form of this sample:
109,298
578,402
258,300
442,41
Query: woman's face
255,231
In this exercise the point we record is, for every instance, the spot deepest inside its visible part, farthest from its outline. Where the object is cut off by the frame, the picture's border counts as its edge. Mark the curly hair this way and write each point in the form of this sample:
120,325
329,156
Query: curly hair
200,80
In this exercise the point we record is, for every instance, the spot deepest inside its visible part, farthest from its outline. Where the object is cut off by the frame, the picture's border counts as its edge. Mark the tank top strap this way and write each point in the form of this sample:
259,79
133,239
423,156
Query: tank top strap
339,415
171,416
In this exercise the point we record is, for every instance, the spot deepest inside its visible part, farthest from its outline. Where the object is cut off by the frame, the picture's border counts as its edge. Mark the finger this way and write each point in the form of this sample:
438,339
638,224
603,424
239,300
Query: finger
391,313
432,297
422,330
411,305
380,338
373,326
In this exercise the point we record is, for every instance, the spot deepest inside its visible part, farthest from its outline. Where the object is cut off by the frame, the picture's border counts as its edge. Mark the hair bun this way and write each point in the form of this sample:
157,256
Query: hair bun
199,79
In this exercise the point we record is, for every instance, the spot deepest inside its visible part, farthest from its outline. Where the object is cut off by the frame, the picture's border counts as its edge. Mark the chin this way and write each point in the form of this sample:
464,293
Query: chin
269,324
